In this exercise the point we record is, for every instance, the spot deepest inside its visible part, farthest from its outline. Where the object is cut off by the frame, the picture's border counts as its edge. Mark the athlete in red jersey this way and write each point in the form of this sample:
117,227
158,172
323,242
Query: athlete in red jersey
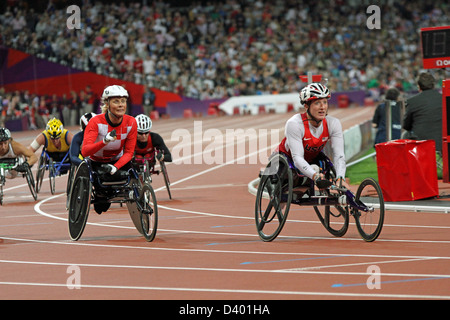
110,138
308,133
100,143
150,142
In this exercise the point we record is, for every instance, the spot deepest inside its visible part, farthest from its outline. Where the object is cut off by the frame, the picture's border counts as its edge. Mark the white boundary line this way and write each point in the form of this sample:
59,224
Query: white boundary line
235,291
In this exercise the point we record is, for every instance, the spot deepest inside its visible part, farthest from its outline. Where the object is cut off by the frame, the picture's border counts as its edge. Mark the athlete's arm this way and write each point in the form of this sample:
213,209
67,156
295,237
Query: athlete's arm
158,143
37,143
75,148
21,150
337,146
90,147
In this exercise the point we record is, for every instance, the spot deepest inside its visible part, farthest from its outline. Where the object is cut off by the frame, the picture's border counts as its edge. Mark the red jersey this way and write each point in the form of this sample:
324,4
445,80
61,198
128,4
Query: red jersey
148,150
312,146
120,150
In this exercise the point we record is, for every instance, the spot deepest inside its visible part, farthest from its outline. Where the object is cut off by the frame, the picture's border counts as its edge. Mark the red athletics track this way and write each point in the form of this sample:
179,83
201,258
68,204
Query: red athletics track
207,245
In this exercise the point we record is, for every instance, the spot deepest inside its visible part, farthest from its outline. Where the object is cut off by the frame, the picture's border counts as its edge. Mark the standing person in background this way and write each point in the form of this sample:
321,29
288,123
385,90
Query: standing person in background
423,116
148,100
379,117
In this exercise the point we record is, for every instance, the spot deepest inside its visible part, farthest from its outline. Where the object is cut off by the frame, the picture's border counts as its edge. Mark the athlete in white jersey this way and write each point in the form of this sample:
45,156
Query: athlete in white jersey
307,134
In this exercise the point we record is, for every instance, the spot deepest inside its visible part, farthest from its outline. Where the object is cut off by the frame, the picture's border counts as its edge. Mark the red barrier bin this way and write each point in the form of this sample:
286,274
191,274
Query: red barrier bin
407,169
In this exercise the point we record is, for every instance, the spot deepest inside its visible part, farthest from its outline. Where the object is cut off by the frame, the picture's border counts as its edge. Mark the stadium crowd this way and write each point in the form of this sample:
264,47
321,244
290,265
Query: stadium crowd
233,47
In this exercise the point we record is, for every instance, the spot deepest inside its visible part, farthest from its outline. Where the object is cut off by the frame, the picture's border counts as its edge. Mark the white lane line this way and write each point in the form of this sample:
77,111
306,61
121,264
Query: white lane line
244,252
234,291
288,271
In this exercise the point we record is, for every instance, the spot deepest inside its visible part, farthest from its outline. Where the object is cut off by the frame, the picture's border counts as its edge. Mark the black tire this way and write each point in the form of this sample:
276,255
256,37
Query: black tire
80,200
42,163
148,209
166,177
273,198
70,177
51,175
334,219
31,184
369,224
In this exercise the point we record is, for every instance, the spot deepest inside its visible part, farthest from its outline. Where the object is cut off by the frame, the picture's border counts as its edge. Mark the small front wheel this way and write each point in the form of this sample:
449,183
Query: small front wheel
369,223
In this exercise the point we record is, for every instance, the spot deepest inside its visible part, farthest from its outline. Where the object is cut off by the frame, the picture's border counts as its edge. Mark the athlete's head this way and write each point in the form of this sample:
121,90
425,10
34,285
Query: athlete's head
114,100
85,119
144,124
314,97
54,128
5,136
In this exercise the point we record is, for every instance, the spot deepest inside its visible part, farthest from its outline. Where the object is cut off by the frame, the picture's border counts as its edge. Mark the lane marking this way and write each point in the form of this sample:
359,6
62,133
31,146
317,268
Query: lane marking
234,291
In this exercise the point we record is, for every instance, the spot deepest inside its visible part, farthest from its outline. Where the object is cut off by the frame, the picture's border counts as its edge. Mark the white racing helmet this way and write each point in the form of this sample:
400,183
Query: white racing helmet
144,123
314,91
114,91
85,119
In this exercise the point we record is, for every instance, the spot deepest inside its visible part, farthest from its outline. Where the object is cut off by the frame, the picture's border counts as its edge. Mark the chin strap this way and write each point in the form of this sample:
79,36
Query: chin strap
313,118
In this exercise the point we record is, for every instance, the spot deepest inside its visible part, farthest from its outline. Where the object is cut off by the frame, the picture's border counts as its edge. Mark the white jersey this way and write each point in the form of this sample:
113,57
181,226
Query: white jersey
295,131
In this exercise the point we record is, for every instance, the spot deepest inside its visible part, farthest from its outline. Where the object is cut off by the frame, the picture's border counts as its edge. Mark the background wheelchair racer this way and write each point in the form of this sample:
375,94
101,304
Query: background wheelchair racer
150,145
9,148
56,141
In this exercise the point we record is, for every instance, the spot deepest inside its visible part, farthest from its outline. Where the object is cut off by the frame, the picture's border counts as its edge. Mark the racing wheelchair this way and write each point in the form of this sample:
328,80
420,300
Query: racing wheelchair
281,185
10,164
99,187
146,168
55,169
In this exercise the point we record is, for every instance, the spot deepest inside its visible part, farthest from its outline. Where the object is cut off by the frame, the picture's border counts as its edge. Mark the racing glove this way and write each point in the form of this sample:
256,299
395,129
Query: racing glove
109,168
22,167
110,137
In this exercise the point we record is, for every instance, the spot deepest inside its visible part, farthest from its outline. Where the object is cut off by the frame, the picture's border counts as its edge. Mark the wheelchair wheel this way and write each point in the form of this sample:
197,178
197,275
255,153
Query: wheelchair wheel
166,177
70,176
369,224
273,198
334,219
80,200
51,175
42,163
148,209
147,177
31,184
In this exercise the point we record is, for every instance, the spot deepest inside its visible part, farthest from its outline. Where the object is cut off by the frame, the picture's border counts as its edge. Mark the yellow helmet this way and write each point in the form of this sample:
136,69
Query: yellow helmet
54,128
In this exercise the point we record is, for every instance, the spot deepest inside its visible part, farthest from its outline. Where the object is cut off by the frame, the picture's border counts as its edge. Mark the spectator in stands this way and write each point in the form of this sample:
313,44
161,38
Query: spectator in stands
222,37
